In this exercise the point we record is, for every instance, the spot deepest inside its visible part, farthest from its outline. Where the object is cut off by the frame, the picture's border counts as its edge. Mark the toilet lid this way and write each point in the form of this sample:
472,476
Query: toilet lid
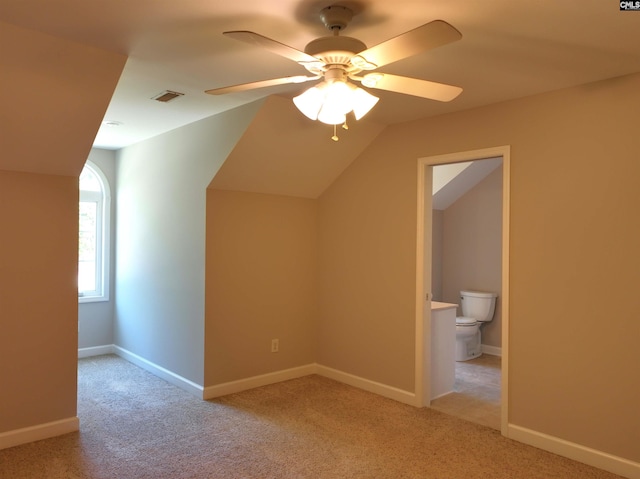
465,321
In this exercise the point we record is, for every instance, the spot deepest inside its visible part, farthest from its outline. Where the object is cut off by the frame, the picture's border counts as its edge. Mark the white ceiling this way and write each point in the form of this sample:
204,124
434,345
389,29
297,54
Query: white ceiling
508,50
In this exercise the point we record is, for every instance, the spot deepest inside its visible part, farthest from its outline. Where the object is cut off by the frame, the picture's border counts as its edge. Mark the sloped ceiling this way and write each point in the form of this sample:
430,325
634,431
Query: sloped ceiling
508,50
450,182
284,153
54,95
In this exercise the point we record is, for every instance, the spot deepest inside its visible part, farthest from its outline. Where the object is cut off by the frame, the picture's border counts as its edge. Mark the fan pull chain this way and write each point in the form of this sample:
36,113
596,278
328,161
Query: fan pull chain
335,130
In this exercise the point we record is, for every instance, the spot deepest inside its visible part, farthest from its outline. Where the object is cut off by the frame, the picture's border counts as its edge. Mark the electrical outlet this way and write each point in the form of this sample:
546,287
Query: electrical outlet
275,345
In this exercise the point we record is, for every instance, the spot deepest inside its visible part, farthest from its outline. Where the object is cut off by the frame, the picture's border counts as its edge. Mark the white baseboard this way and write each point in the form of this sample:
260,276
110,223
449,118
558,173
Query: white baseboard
39,432
95,351
231,387
390,392
284,375
492,350
577,452
159,371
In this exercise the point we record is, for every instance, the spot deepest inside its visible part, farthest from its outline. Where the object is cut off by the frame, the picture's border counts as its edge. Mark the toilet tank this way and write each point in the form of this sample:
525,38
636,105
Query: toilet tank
479,305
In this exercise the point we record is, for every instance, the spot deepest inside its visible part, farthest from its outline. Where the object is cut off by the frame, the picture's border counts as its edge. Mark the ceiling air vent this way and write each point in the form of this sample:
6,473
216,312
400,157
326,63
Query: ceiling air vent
166,96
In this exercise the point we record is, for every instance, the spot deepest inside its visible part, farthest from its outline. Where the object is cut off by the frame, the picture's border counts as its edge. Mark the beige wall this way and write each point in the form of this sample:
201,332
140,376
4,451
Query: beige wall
472,248
367,275
38,298
54,94
574,262
261,260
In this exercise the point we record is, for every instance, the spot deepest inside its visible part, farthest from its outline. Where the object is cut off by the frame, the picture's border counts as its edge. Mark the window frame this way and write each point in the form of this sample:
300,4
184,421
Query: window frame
103,234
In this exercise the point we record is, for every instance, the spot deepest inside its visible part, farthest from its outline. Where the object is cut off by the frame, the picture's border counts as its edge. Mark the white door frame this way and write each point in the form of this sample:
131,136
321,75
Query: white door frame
423,285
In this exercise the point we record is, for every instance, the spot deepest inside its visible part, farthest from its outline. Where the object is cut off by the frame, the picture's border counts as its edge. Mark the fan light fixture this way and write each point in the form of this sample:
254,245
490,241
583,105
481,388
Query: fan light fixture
330,101
337,59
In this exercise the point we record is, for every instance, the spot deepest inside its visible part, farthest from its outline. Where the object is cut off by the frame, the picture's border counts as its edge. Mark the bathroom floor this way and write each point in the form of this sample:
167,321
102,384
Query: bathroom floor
476,395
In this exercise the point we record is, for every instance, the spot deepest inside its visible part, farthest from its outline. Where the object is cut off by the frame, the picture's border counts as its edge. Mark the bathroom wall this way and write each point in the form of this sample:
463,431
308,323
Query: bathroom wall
95,319
472,248
436,241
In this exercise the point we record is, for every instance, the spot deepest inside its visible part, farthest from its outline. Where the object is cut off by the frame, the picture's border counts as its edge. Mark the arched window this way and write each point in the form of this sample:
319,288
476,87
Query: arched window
93,251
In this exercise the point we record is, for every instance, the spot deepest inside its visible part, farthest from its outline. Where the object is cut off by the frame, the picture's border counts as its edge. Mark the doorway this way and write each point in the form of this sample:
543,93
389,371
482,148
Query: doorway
425,259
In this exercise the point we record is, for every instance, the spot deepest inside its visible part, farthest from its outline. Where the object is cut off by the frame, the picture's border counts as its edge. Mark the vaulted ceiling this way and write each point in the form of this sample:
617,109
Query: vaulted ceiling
508,50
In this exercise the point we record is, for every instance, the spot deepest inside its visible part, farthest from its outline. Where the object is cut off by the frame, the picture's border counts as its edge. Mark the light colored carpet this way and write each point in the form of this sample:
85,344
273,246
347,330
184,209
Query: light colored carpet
135,426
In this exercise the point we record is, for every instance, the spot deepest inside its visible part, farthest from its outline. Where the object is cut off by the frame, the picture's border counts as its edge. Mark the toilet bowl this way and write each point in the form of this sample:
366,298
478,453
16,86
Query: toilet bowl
466,326
468,342
478,308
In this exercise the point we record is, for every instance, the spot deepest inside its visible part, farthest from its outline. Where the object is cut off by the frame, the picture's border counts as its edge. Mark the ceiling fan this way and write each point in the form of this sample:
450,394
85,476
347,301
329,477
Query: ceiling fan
337,59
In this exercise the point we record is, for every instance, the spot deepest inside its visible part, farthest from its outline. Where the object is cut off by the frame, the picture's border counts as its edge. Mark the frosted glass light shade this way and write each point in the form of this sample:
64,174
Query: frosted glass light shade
329,102
310,102
363,102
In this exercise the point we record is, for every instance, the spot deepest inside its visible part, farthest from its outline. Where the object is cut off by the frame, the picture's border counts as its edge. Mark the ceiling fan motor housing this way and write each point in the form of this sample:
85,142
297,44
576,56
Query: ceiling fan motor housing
334,50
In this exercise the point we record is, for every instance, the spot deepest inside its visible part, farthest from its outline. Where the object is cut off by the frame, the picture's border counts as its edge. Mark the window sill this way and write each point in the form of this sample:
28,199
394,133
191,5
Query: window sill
92,299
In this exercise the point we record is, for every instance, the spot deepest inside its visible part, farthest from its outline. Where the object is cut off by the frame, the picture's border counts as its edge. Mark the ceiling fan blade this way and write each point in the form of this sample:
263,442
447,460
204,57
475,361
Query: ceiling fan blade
273,46
260,84
410,86
418,40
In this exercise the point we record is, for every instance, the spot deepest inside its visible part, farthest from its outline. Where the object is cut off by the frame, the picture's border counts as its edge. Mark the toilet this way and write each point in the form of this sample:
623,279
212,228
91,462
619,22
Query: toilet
478,308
